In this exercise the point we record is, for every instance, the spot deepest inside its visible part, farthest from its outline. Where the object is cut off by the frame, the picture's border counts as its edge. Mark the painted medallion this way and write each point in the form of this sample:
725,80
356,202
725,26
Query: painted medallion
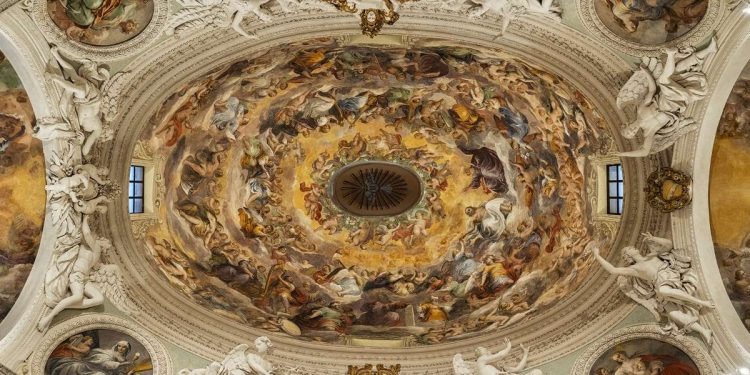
644,356
730,194
495,233
650,22
22,194
100,351
101,22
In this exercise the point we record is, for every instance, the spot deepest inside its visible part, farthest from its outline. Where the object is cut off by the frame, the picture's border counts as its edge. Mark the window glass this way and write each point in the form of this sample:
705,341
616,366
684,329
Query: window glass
615,189
135,190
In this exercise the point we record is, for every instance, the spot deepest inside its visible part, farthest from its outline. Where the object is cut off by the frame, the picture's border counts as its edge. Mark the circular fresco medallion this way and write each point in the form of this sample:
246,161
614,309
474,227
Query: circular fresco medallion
482,157
97,351
644,356
102,22
650,23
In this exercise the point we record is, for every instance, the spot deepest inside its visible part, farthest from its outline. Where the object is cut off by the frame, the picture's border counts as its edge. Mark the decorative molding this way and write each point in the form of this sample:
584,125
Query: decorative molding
56,36
86,322
591,21
585,363
5,4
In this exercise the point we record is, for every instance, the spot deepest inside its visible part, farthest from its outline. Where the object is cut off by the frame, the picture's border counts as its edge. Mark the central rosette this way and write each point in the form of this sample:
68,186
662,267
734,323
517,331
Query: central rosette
375,189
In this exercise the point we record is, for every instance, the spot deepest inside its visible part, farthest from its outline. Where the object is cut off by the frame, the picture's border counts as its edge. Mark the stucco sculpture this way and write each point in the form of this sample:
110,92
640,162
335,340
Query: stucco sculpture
485,364
663,282
658,95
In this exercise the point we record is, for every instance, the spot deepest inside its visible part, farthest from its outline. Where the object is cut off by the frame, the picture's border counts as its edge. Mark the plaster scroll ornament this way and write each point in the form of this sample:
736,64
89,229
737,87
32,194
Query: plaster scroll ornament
663,282
239,361
219,13
512,9
658,94
82,82
484,364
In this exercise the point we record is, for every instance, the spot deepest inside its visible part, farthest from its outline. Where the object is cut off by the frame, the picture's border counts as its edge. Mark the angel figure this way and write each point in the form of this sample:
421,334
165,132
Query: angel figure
82,100
71,185
663,282
73,268
229,120
660,93
49,129
485,359
221,13
510,9
238,362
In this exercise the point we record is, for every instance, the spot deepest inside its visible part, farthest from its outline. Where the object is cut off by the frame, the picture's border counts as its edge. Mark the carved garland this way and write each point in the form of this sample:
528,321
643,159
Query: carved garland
37,10
55,336
585,363
587,12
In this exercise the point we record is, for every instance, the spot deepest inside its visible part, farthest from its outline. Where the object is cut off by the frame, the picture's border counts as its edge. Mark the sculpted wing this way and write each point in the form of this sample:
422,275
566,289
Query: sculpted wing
108,281
110,91
635,89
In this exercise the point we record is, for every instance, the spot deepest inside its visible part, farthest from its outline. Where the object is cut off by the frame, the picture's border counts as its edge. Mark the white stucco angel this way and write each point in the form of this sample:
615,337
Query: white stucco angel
511,9
239,362
75,280
663,282
220,13
82,95
485,363
659,93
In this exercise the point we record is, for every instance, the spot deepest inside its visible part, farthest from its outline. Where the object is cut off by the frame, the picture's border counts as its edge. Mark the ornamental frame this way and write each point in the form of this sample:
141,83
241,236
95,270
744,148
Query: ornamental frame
591,21
37,10
85,322
585,362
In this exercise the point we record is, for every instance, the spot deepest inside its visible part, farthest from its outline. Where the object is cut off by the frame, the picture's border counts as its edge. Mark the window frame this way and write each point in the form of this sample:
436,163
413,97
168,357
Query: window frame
134,182
619,191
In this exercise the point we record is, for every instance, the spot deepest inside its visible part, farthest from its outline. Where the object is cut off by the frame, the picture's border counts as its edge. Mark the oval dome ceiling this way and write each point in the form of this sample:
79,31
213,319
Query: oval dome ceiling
496,148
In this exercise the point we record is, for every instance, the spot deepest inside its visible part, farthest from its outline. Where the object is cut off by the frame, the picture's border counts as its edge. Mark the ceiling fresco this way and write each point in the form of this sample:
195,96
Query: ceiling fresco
22,181
644,356
101,22
99,351
496,235
650,22
730,193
